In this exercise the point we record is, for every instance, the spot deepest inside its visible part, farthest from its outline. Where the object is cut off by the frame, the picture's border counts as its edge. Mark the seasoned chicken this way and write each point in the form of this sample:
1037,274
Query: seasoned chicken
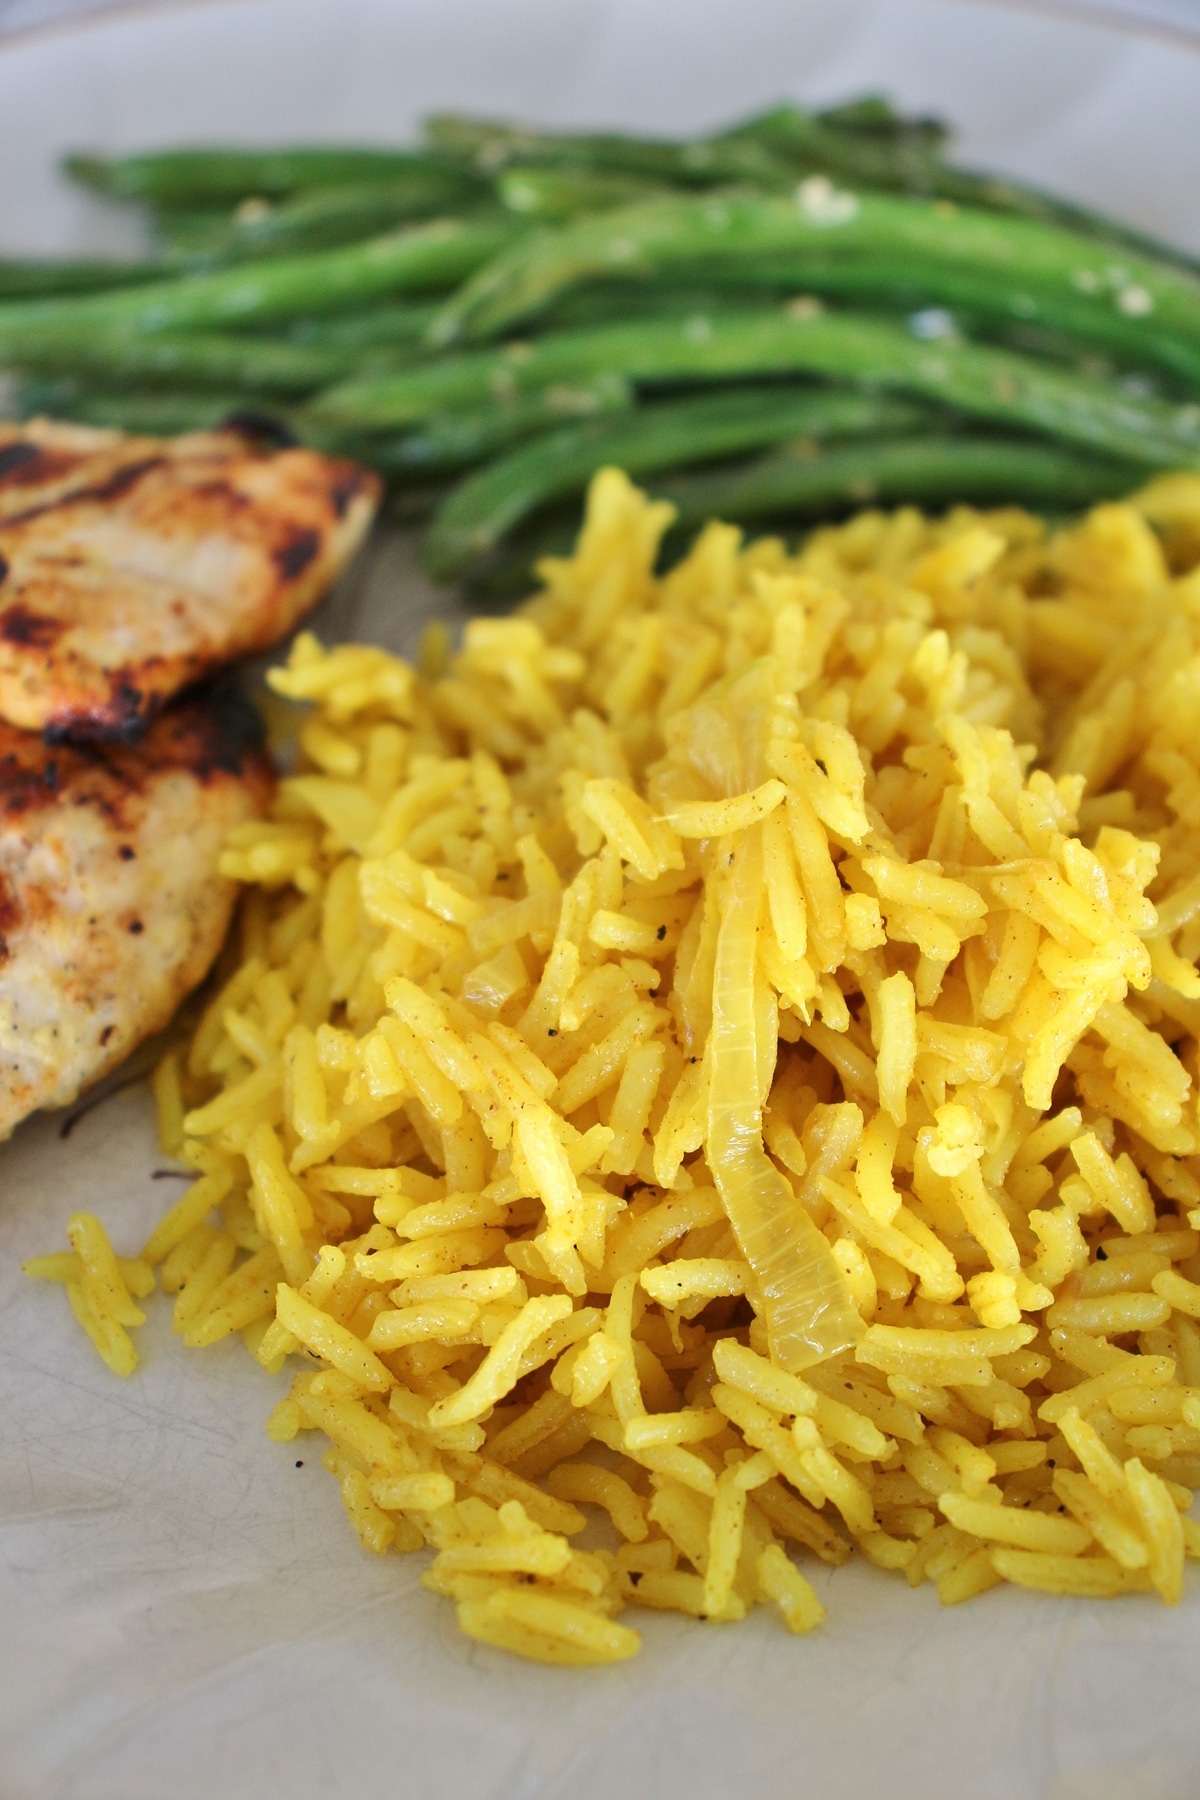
111,906
129,567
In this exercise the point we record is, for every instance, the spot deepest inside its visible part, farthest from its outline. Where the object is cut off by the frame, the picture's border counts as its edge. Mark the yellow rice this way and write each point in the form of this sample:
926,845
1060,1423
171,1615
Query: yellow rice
719,1056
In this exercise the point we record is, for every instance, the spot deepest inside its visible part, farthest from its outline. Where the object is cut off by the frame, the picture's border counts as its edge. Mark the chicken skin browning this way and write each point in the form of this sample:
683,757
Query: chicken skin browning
131,567
112,907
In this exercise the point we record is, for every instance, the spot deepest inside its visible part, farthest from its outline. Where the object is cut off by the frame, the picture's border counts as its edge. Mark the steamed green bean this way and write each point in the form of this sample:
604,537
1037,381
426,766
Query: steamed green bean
978,380
802,143
684,233
394,325
791,133
923,470
940,301
197,360
406,261
456,440
917,285
201,178
558,193
132,410
873,115
487,505
321,220
489,146
36,277
975,339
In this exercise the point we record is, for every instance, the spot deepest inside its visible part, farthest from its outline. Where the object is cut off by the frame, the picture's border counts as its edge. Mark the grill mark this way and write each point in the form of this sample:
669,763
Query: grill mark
113,488
216,729
10,914
215,736
227,729
15,457
293,556
31,630
266,427
120,719
222,490
24,785
122,480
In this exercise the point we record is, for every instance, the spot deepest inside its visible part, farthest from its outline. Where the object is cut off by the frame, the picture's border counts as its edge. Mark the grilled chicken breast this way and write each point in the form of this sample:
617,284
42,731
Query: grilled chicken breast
111,906
130,567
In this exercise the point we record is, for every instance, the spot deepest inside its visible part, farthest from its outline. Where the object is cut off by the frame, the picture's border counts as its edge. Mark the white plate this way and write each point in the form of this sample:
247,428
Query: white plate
184,1612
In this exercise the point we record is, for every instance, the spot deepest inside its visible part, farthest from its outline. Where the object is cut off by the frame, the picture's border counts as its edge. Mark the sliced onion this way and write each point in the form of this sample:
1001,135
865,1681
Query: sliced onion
803,1295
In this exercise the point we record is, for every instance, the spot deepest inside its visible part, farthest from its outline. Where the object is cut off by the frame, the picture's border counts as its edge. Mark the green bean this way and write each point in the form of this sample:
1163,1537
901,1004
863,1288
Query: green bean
791,485
456,440
489,146
696,347
180,234
483,508
977,380
204,178
865,142
394,326
558,193
505,575
420,257
200,360
873,115
918,469
401,323
684,232
619,302
323,219
152,415
993,193
27,278
992,308
915,289
767,151
802,142
905,155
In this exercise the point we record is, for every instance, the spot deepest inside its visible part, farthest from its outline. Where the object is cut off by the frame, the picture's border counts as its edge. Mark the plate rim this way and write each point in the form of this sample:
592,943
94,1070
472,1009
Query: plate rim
1086,13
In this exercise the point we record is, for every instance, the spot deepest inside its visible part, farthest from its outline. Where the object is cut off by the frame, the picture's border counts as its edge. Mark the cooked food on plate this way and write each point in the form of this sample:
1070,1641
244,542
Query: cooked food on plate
488,318
130,567
717,1052
111,904
720,1052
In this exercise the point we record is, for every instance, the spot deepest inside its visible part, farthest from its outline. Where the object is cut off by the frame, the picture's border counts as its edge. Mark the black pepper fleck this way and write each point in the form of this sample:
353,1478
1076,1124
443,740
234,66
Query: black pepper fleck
661,933
137,928
299,1465
1101,1253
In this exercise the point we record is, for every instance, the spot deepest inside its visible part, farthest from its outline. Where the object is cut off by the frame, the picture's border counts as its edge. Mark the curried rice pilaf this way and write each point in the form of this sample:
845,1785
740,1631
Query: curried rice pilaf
722,1049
